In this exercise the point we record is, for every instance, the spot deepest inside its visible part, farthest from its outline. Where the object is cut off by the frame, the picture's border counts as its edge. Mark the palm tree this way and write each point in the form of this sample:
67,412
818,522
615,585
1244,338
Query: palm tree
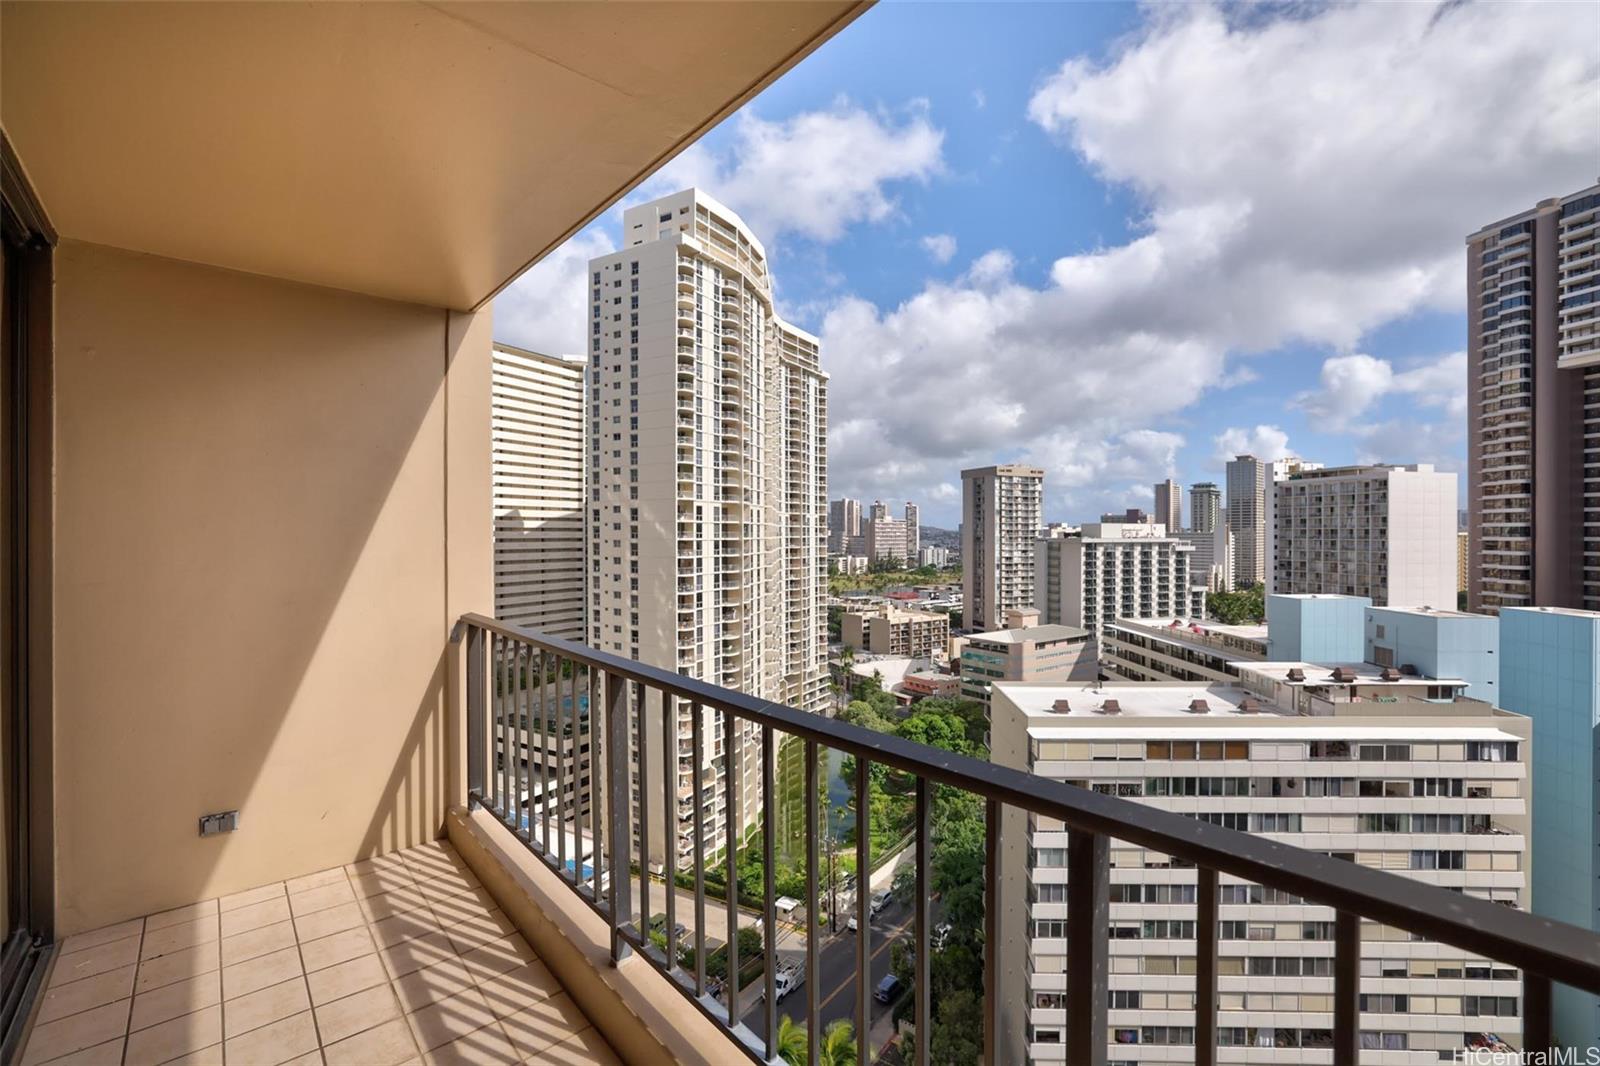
792,1042
838,1044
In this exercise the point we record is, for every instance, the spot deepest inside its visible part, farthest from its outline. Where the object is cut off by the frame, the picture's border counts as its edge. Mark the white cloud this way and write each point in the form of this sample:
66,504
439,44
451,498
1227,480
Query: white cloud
816,173
1351,384
1300,179
544,309
940,246
1263,442
979,99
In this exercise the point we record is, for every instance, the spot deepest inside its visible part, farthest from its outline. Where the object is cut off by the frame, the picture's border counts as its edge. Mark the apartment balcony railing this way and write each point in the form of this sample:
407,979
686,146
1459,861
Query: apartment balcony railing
506,663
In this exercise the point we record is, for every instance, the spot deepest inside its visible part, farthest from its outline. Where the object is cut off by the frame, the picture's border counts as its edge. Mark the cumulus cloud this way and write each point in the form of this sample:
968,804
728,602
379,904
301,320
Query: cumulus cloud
1352,384
816,173
1263,442
1299,179
940,246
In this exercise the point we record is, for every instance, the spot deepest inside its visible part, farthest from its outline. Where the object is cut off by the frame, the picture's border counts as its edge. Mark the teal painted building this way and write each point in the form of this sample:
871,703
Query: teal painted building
1550,671
1316,628
1438,644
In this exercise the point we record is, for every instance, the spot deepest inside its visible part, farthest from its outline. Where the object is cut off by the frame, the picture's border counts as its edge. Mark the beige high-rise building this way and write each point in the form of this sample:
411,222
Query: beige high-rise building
913,532
1463,555
1205,507
708,417
887,538
1002,511
536,433
1114,570
1169,505
1533,407
1247,519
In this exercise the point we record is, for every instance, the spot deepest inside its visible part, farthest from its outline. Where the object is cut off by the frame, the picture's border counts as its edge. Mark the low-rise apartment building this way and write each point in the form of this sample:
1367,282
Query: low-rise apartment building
896,631
1114,570
1435,792
1038,653
1171,649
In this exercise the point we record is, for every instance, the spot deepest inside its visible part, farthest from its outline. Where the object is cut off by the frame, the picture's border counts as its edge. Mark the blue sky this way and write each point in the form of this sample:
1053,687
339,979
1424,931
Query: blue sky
1123,242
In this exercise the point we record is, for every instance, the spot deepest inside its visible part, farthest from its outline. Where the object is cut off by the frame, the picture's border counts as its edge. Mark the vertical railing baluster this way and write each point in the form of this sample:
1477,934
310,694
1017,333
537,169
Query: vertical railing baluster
477,713
1346,987
617,807
669,818
524,683
1205,968
733,816
813,994
769,909
991,933
596,807
1537,1035
500,726
641,695
697,735
924,965
563,716
1088,945
863,909
545,662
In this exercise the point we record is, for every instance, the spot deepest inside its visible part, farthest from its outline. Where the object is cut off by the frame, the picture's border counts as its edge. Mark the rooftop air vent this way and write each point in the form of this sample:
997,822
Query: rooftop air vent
1296,674
1061,707
1343,676
1390,674
1110,707
1249,705
1199,707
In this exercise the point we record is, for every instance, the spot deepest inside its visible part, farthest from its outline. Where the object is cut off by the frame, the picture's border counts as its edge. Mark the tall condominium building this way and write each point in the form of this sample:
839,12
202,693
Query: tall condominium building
1247,518
1002,510
1550,671
707,509
1434,791
913,519
1205,507
1385,532
1212,562
1115,570
887,538
878,510
1533,407
844,524
1169,505
536,435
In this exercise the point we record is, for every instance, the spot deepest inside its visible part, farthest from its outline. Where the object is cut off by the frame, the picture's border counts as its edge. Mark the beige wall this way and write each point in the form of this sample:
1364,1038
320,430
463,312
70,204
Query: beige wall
265,525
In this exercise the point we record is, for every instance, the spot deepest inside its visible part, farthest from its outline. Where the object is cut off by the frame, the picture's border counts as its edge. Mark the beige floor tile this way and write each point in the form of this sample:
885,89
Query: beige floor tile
396,901
318,924
180,936
76,1032
333,875
250,897
434,854
391,860
179,1036
270,1045
526,985
357,1013
408,926
206,1056
96,937
497,957
175,1000
255,915
310,1058
587,1048
389,1044
328,951
64,999
417,990
181,915
376,882
459,908
321,898
99,1055
98,959
347,978
411,955
450,1018
252,975
447,883
485,1047
179,966
546,1022
472,932
257,942
271,1004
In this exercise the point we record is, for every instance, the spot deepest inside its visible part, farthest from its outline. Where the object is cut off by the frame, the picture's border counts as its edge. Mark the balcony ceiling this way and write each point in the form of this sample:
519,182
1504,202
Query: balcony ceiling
413,151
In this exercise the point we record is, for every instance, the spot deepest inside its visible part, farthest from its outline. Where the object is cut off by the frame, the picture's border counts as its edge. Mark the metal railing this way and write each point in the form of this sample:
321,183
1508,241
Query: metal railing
514,674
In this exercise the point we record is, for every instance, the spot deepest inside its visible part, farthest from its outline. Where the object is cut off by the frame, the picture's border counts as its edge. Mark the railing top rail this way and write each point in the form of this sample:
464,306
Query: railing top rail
1562,952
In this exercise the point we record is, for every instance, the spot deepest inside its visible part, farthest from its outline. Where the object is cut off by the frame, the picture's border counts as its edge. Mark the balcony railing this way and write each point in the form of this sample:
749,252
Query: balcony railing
505,663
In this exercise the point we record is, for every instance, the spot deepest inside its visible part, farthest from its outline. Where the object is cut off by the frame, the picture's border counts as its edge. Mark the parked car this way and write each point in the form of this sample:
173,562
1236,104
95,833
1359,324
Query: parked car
851,924
879,901
888,989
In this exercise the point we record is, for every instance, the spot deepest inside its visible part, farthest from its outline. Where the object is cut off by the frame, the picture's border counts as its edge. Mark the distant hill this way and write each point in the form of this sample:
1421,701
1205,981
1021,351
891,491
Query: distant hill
934,537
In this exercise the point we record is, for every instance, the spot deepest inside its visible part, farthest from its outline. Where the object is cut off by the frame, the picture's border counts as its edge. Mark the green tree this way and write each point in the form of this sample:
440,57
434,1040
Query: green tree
793,1044
937,729
1243,607
838,1044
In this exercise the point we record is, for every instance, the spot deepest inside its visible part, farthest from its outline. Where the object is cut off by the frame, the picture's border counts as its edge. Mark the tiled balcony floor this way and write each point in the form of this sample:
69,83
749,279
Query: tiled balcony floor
399,959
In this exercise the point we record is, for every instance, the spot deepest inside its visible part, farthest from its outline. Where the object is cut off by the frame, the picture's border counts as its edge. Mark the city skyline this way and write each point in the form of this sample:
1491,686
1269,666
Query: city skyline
997,206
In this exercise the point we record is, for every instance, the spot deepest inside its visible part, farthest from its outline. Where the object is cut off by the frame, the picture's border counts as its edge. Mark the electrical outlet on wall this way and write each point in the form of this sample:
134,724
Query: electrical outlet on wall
221,822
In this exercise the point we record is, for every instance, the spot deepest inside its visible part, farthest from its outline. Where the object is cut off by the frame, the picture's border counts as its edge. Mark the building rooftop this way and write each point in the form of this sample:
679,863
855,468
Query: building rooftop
1179,627
1433,612
1141,699
1321,674
1570,612
1037,634
1315,596
893,671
